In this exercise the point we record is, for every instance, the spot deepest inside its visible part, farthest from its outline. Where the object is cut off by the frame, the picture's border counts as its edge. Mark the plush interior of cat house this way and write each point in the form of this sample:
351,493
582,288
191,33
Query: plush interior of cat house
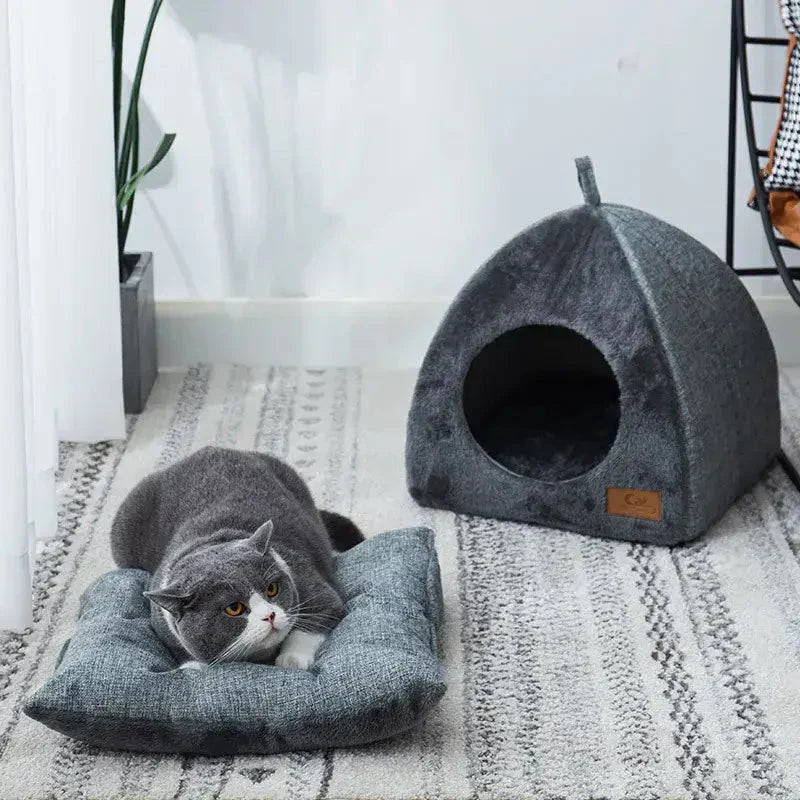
604,372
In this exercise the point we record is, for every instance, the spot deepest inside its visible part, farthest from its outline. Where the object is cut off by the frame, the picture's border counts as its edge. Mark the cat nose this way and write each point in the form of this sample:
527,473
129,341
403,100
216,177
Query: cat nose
269,618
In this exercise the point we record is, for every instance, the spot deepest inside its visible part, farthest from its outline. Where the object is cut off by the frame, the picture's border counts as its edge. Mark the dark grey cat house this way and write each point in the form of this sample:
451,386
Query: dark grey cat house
604,373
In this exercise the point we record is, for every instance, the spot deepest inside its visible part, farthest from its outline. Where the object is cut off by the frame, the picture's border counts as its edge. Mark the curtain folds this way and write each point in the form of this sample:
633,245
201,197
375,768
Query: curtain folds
60,348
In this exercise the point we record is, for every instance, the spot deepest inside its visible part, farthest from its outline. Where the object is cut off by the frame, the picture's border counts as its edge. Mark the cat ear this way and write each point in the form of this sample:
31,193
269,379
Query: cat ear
260,539
170,600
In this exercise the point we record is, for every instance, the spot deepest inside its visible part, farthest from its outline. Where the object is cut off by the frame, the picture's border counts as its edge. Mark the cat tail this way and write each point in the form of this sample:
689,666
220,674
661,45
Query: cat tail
344,532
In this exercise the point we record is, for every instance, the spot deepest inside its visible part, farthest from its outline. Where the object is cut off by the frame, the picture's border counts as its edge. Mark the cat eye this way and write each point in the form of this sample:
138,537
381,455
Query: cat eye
235,609
272,590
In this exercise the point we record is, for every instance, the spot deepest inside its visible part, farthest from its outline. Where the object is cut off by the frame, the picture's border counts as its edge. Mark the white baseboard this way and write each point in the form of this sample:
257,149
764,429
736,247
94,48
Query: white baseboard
368,333
297,331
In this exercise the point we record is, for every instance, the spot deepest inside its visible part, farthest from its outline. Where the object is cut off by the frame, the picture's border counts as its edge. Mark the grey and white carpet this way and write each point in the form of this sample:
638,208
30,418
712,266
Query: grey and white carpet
577,667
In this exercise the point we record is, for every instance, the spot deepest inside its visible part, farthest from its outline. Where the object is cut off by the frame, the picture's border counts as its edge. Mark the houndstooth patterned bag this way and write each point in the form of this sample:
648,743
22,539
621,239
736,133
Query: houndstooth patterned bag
783,170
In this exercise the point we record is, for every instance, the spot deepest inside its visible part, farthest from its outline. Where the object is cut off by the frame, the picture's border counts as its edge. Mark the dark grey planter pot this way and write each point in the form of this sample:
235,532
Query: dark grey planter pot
139,355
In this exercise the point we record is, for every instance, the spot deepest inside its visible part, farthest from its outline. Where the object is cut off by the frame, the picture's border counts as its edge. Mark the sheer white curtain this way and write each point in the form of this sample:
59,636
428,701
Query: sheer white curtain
60,360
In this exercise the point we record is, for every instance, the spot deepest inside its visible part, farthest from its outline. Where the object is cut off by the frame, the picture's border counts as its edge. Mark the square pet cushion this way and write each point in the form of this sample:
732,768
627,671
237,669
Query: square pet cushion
117,686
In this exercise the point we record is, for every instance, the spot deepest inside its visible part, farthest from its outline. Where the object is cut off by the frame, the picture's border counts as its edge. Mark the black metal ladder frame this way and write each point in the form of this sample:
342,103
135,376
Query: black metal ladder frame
739,73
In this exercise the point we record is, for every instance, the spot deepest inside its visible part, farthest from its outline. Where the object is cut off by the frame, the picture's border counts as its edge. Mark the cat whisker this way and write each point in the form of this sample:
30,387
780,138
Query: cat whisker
229,653
316,615
308,630
242,645
308,600
303,606
232,652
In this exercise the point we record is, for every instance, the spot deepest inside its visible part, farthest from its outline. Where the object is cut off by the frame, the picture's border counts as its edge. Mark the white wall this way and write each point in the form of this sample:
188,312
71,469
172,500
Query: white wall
383,149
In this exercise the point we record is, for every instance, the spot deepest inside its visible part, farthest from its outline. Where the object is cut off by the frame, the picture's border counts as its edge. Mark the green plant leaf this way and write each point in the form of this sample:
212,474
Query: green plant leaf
117,36
128,212
129,188
132,122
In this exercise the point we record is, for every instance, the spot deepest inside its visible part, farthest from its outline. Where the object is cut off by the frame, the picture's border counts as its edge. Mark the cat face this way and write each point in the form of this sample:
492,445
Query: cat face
233,601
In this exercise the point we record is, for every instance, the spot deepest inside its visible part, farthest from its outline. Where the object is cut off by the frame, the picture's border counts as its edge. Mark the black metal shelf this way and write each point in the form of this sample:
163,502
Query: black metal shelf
739,75
766,40
748,272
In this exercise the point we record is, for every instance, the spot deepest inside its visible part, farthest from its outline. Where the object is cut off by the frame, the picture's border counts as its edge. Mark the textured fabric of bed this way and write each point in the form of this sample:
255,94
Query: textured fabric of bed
117,686
698,414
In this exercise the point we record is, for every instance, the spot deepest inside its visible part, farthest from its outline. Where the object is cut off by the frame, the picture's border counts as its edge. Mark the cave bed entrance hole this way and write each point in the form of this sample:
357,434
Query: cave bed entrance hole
543,402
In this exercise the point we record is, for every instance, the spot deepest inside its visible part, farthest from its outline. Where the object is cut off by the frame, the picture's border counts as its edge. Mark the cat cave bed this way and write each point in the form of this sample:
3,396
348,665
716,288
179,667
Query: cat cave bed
116,685
604,373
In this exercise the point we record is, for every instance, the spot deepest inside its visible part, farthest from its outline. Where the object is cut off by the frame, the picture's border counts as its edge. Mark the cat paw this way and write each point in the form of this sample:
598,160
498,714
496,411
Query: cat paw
192,665
294,660
299,650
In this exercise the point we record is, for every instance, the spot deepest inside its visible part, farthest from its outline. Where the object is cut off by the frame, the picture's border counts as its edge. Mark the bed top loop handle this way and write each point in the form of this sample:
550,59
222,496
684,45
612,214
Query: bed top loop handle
587,180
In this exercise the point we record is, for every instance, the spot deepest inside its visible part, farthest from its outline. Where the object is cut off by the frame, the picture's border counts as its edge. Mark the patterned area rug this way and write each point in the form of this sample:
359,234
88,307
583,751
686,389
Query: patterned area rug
577,668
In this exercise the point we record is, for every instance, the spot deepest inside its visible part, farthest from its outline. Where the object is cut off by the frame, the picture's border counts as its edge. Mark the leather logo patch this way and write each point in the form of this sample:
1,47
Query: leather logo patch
637,503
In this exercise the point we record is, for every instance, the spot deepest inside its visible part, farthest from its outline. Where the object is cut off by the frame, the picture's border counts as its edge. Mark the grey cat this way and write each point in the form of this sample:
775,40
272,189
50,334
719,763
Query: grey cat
242,560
